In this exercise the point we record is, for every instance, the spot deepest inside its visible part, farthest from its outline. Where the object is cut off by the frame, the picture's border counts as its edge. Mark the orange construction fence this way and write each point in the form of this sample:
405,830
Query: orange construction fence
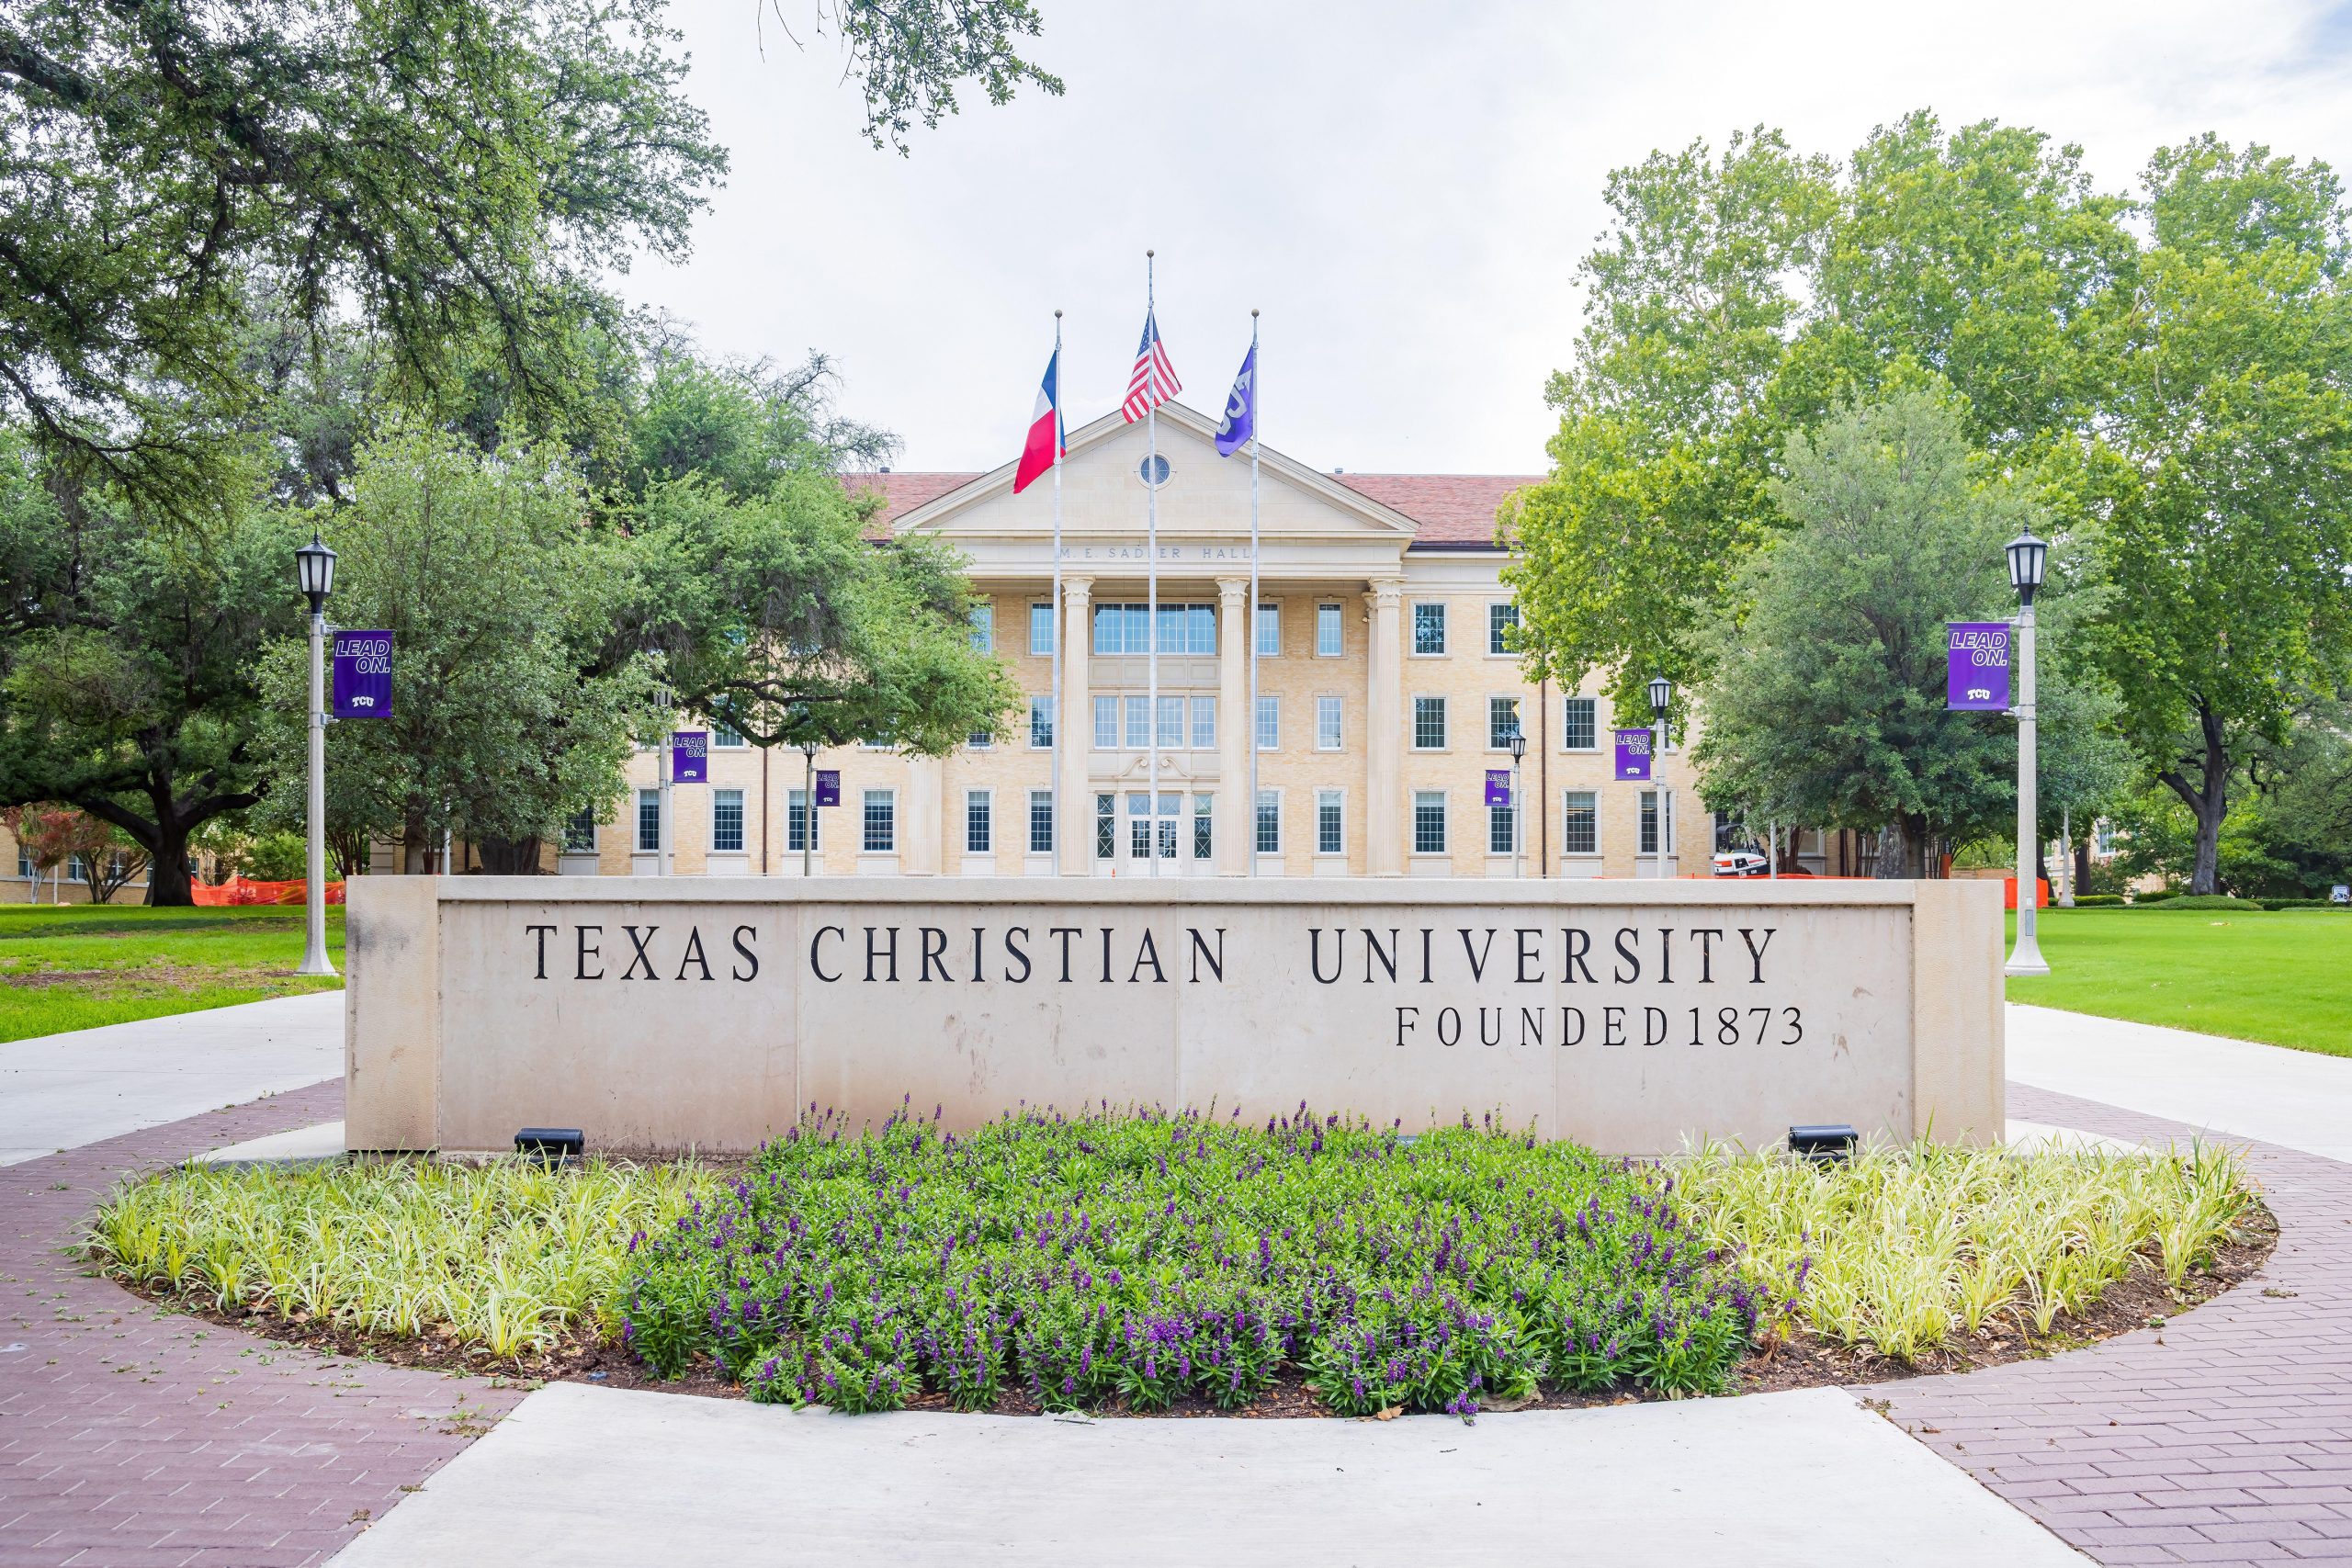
241,890
2009,893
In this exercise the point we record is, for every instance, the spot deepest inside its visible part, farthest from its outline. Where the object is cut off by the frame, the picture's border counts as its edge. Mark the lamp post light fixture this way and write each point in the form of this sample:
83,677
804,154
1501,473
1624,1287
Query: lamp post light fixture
1661,696
2028,559
314,574
664,700
1517,741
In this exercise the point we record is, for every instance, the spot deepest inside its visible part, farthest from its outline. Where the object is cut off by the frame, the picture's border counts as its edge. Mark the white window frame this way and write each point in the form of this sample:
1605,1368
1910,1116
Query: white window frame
1269,718
1041,615
1492,698
651,797
741,837
986,799
1337,799
1333,707
984,626
725,739
1590,800
1444,722
571,843
1270,628
1512,609
1266,799
1106,703
1041,706
1413,625
1592,702
1664,796
1444,822
796,805
888,800
1201,728
1037,798
1338,625
1499,816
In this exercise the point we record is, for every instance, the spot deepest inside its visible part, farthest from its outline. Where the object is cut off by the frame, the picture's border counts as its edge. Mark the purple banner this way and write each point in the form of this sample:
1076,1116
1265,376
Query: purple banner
1498,786
829,786
1632,753
363,674
690,757
1977,669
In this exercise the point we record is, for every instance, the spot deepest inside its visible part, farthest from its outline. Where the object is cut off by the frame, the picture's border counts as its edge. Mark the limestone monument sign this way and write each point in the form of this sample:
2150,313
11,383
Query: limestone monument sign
699,1012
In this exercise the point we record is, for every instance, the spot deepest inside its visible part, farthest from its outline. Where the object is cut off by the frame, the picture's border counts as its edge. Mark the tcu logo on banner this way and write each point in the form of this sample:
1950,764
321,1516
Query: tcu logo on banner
1632,753
363,674
1977,669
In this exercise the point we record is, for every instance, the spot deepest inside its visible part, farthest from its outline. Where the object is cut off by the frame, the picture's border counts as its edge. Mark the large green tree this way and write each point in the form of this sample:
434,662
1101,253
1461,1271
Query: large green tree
128,657
2222,471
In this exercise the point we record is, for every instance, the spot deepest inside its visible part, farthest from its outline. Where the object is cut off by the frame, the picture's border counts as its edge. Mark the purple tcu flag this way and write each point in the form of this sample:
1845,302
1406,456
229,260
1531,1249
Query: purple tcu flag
829,786
1498,786
363,674
1240,420
690,757
1632,753
1977,669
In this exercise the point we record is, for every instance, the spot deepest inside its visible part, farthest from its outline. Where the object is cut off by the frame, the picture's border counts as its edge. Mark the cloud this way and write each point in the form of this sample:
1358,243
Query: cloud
1405,191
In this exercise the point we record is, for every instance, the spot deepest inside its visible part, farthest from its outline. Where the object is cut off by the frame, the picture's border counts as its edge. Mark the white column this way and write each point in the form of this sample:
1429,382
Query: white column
921,827
1236,818
1074,733
1384,817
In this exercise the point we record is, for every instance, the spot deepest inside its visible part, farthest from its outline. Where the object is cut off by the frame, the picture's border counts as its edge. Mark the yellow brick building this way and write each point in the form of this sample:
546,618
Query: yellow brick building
1383,697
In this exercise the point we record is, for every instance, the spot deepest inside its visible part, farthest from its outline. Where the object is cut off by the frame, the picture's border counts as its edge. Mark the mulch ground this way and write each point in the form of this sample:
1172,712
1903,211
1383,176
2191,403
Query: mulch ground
1782,1362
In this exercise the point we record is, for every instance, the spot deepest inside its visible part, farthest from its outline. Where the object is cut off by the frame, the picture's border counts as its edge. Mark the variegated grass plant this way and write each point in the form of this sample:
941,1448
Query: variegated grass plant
508,1257
1904,1249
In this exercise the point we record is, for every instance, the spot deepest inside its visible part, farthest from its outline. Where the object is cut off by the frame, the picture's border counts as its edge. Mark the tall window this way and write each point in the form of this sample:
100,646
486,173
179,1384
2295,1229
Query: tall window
1330,822
984,626
722,738
880,821
1106,826
797,822
1270,631
1203,827
1500,619
1171,724
1041,723
1106,724
1203,724
648,821
977,838
1500,840
1580,823
1502,722
1270,724
1041,821
1184,629
1429,724
727,821
580,833
2103,837
1428,821
1329,631
1428,628
1578,730
980,740
1270,822
1657,821
1138,825
1041,630
1139,723
1327,716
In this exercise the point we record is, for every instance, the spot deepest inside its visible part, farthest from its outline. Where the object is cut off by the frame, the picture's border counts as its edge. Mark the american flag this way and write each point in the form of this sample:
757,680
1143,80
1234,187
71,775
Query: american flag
1153,381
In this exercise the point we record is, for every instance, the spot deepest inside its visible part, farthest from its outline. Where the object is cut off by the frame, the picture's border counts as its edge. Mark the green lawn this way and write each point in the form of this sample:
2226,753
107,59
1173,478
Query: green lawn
79,966
2283,976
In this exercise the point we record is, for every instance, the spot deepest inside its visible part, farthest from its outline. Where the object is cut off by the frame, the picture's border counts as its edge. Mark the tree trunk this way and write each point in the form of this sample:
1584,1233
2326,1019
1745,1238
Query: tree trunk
2208,798
169,877
414,844
2082,863
509,857
1891,852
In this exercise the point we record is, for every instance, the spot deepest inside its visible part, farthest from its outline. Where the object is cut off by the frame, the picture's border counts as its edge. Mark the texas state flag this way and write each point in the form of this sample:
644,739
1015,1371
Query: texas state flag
1045,440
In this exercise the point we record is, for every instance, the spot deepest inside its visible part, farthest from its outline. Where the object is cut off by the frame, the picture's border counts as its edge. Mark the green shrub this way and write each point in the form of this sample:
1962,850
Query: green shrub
2208,901
275,857
2099,900
2302,904
2161,896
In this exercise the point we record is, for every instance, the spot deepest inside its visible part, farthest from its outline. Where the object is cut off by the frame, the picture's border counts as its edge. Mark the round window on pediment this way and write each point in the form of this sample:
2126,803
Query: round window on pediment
1153,471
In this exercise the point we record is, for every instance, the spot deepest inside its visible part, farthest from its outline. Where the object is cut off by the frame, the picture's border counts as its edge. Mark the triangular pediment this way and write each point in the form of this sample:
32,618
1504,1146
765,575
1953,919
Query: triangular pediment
1104,494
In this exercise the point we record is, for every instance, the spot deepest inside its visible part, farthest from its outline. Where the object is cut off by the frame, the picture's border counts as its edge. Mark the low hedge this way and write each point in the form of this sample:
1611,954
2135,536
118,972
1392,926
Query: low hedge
2303,904
2099,900
2208,901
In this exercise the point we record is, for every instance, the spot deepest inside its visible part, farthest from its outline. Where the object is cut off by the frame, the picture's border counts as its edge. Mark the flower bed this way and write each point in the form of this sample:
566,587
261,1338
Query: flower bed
1143,1256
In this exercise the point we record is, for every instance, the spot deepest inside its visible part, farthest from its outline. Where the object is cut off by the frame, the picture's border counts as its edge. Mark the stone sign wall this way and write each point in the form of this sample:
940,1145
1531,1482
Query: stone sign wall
701,1013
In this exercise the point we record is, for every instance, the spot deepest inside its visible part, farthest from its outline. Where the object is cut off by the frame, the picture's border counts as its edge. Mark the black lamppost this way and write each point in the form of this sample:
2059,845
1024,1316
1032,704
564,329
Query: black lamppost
1661,696
1516,740
2028,557
314,574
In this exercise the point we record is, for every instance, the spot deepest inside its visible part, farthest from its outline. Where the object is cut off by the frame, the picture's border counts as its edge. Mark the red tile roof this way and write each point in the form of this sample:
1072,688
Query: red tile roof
1452,509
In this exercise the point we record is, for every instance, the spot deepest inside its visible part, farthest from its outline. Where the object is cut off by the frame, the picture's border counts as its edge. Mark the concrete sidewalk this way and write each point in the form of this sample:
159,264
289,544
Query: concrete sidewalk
596,1476
60,1091
2234,1089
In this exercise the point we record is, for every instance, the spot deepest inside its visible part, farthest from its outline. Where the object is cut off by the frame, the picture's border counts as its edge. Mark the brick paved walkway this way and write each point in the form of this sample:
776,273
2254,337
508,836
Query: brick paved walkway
2226,1437
129,1435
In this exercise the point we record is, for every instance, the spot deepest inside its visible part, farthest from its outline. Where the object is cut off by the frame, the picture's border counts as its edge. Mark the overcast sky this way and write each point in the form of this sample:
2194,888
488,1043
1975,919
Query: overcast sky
1404,190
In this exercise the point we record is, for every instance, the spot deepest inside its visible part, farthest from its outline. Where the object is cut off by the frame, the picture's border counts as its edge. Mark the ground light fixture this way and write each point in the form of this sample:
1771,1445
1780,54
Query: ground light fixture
2028,556
1824,1143
551,1144
1661,697
314,575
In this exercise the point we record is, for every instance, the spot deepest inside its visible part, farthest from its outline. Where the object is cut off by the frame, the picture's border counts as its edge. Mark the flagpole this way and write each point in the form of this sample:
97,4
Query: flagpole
1151,582
1060,720
1257,382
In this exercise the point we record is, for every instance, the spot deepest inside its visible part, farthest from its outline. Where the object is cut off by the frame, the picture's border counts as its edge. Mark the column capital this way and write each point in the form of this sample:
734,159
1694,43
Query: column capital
1231,589
1078,588
1384,591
